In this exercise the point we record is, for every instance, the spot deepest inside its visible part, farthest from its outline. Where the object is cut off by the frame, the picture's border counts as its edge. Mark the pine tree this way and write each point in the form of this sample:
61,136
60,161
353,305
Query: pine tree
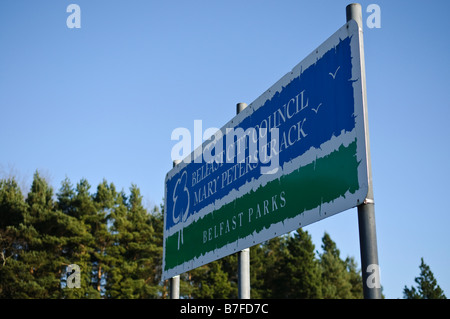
77,243
157,222
104,201
229,264
84,210
260,262
210,281
12,206
427,287
117,250
296,272
144,253
33,234
271,257
136,254
65,197
335,277
45,237
355,278
14,272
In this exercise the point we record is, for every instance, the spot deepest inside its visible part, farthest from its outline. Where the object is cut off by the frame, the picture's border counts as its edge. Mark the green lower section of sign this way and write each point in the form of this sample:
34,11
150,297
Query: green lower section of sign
308,187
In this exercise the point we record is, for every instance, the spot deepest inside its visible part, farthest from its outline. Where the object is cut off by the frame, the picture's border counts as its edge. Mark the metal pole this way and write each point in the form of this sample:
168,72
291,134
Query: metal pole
244,255
175,287
175,281
366,211
240,107
244,274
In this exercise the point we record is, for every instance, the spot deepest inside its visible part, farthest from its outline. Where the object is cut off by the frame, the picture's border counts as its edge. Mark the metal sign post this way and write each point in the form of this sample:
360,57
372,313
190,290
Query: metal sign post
366,211
244,255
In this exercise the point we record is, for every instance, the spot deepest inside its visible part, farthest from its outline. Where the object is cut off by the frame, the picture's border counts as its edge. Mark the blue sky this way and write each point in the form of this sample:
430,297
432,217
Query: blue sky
102,101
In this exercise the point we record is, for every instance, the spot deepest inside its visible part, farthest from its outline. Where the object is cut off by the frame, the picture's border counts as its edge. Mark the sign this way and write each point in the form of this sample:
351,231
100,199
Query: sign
294,156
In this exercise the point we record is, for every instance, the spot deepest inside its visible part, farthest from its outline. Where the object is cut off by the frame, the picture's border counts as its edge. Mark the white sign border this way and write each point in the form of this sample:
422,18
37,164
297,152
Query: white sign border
350,29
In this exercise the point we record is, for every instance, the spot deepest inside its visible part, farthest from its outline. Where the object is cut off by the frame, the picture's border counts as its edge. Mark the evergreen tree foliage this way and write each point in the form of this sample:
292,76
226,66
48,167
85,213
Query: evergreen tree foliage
355,279
427,287
44,238
117,243
336,282
210,282
14,272
296,274
135,255
114,240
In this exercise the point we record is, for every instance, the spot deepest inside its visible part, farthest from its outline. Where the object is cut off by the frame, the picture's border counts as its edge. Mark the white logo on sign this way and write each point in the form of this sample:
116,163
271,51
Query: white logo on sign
182,213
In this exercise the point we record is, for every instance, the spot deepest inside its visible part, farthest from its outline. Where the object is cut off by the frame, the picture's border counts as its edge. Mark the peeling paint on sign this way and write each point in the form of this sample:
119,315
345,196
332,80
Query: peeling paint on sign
215,209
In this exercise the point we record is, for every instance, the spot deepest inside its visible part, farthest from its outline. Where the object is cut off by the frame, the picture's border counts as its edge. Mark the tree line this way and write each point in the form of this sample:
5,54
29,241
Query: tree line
117,244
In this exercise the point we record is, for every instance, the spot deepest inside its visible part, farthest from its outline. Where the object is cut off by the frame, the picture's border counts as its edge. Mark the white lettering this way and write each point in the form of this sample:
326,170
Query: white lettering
184,145
74,279
74,20
373,280
374,20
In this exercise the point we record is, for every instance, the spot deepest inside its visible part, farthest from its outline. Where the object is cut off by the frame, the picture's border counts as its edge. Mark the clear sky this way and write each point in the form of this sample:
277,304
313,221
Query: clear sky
102,101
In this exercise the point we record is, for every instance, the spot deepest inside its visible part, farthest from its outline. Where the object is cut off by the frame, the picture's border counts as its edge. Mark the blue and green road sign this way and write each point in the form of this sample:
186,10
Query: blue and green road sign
294,156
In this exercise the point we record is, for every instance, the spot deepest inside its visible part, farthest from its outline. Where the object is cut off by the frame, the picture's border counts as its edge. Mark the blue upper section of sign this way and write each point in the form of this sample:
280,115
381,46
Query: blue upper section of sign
311,109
